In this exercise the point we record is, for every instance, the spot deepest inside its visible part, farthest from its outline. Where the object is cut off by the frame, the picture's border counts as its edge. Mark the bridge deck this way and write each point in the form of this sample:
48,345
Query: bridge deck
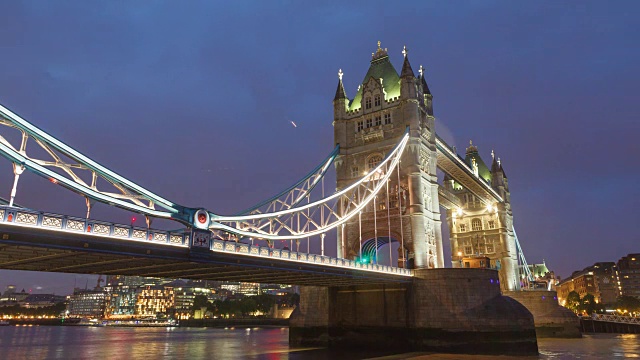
449,162
33,249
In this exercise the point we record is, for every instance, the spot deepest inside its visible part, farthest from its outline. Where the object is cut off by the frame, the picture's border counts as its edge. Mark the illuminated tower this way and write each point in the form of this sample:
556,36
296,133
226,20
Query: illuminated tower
478,231
367,127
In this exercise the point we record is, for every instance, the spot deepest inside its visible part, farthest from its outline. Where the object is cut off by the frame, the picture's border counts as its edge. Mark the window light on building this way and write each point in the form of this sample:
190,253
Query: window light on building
476,224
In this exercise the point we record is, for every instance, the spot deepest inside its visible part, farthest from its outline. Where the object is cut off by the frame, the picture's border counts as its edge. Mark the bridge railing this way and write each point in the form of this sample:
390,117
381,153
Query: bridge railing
63,223
76,225
616,318
266,252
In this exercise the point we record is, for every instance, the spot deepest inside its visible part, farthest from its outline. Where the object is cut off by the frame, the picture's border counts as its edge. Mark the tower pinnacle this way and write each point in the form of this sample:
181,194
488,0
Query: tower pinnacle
406,66
340,93
380,52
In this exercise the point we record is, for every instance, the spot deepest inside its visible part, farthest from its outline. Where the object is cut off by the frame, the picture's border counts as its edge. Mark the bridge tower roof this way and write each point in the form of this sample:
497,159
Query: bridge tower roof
471,155
380,68
340,93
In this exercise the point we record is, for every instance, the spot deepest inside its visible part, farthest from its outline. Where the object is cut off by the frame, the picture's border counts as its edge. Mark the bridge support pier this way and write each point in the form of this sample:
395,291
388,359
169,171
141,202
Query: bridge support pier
443,310
551,319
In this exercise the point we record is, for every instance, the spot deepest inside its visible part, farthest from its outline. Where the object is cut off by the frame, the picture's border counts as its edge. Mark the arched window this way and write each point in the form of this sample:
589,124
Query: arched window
476,224
377,100
373,161
367,103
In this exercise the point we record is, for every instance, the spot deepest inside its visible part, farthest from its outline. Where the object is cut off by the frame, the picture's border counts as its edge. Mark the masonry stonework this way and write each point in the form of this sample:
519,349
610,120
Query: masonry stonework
444,310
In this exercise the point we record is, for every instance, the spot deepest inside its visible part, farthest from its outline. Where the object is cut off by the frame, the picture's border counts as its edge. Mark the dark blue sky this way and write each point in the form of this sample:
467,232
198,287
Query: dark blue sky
193,100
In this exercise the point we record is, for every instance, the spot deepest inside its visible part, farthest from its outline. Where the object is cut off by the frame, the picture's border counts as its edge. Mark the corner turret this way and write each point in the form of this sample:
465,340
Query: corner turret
408,89
428,98
498,179
340,101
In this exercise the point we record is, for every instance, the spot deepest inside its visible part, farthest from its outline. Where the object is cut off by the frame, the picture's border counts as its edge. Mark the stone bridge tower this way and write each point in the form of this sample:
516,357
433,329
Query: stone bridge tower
479,232
367,127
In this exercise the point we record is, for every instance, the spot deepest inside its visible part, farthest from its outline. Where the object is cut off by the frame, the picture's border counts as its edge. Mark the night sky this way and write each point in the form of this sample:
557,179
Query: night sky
193,100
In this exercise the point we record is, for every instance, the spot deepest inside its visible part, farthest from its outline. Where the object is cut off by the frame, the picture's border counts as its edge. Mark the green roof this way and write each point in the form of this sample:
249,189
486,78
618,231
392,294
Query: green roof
381,68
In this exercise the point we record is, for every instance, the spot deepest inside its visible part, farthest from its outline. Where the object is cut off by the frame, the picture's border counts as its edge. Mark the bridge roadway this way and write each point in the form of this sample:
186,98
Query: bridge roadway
37,241
449,162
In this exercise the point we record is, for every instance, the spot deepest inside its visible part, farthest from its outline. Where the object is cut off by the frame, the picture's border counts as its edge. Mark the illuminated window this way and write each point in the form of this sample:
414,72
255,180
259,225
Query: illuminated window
476,225
378,120
373,161
377,100
360,125
369,122
387,118
463,228
367,103
492,224
355,172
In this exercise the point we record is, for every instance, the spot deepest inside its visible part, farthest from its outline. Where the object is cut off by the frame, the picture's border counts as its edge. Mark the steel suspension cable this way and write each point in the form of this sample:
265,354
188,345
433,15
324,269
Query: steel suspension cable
375,224
404,260
389,221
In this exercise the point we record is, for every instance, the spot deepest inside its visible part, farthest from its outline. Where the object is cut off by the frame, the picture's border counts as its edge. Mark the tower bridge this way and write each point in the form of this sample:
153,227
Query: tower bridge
386,159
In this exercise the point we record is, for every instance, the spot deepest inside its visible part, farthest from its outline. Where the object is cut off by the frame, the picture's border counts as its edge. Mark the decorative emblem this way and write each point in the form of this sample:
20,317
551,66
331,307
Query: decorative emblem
201,239
424,159
201,219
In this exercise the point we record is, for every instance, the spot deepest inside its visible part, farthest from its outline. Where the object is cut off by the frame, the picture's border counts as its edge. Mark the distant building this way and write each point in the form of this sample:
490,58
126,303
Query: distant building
248,289
629,275
42,300
543,277
606,278
133,281
598,280
11,297
154,300
121,301
87,303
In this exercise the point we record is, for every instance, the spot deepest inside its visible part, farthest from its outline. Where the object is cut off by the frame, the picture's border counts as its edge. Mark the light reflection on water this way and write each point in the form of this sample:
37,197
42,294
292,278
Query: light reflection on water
77,342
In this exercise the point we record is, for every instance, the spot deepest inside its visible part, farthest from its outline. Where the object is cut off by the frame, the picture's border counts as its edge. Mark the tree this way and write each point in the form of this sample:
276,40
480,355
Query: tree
265,302
629,303
248,305
588,304
199,302
573,301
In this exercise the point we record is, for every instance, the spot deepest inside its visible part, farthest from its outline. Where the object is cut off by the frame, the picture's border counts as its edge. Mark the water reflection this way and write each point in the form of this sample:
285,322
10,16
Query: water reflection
69,342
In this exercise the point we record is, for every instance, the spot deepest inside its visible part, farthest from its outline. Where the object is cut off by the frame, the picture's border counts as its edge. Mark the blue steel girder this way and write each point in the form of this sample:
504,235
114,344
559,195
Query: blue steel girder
314,218
276,223
132,196
297,192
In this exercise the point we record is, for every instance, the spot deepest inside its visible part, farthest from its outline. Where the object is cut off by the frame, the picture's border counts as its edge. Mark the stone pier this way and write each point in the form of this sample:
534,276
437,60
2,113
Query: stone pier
443,310
551,319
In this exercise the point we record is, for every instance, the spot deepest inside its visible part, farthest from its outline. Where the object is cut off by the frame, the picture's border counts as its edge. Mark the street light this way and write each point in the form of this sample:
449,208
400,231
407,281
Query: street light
460,257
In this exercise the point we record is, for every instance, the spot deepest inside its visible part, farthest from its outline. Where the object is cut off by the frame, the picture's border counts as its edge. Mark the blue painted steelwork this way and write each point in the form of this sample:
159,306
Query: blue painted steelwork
48,142
296,192
64,223
25,218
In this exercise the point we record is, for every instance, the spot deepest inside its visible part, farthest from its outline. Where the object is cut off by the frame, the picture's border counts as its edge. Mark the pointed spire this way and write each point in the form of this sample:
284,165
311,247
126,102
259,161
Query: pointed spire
495,164
340,93
501,169
425,87
406,66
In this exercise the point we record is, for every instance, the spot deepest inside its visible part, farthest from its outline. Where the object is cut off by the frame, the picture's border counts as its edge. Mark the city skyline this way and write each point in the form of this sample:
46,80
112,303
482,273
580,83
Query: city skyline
549,88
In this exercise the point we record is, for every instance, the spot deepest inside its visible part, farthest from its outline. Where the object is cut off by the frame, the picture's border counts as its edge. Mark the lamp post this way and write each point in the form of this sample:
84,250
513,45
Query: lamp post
460,257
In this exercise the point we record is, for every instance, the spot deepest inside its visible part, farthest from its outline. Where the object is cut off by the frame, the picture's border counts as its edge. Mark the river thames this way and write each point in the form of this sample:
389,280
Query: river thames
76,342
